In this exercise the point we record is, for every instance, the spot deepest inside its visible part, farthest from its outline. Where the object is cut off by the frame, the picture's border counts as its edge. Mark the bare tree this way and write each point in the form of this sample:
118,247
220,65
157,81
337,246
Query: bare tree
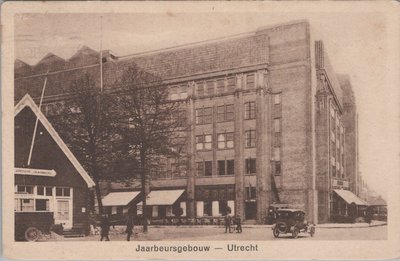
153,122
87,123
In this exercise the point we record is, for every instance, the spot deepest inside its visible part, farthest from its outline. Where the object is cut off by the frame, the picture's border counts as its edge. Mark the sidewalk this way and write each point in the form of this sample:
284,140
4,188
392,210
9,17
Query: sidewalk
374,223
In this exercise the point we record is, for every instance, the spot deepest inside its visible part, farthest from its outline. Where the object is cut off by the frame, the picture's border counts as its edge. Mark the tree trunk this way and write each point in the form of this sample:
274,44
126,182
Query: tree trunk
144,192
98,196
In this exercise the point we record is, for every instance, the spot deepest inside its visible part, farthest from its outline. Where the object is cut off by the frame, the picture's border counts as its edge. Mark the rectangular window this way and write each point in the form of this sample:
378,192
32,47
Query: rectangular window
229,112
231,84
200,142
225,113
250,166
200,89
230,167
250,139
221,86
225,140
44,191
251,193
207,168
204,115
200,169
40,190
250,81
63,192
210,87
207,115
249,110
24,189
220,113
221,167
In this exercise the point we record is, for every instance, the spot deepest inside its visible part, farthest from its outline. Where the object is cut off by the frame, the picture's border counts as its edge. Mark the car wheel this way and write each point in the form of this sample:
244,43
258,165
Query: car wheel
276,232
312,231
32,234
295,233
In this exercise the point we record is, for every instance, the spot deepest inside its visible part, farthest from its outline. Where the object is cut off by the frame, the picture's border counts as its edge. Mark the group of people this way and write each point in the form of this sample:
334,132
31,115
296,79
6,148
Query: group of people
105,227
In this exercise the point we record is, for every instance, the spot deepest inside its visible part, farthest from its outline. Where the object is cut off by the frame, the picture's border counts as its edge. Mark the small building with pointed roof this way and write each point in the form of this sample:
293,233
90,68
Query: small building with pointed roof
53,181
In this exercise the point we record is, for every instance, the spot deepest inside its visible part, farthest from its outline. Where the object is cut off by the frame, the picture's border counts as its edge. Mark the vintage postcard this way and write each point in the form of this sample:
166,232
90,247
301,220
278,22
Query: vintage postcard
200,130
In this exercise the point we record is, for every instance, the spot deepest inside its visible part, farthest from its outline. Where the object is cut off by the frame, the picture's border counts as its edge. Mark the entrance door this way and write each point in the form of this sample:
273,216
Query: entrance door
250,210
63,213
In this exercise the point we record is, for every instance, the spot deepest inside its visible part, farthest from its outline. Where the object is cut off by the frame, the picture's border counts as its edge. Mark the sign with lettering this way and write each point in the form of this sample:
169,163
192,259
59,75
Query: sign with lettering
35,172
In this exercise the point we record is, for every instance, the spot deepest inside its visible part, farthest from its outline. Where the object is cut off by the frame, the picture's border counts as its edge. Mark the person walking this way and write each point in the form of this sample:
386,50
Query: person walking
105,228
129,226
228,221
238,224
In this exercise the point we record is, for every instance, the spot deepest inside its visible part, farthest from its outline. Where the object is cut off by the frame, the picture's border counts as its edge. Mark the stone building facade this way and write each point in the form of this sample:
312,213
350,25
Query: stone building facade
268,118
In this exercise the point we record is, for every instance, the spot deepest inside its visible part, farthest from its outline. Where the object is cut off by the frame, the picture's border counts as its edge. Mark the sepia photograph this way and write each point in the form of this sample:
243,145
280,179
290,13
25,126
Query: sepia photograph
244,127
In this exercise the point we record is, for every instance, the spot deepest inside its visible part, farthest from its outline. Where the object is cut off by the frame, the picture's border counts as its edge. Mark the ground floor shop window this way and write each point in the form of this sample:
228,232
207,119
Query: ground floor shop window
207,208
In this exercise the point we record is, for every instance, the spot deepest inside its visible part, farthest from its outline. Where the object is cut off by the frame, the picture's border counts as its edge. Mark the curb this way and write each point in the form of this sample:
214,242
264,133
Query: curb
270,226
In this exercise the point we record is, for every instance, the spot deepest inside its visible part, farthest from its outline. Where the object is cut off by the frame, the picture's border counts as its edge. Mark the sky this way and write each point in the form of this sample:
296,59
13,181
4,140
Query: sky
357,45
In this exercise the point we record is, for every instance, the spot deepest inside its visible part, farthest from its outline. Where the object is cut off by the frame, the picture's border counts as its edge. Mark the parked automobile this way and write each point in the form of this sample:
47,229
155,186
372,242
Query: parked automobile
272,209
292,221
30,225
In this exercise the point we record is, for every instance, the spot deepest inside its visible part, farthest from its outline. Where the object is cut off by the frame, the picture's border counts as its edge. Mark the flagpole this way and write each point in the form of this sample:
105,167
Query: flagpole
37,121
101,53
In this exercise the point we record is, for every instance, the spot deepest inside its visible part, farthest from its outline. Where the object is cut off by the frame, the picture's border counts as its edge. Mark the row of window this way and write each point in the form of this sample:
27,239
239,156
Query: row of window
43,190
224,167
226,112
224,140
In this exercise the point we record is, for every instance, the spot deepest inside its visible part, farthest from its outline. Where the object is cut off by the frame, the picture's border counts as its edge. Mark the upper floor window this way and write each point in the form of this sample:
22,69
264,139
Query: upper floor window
210,87
204,168
203,142
250,138
231,84
250,110
44,191
225,113
221,86
250,81
226,167
24,189
225,140
63,192
250,166
204,115
200,89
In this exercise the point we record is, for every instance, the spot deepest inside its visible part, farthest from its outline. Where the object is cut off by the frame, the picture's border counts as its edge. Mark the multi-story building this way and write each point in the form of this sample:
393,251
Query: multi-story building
268,118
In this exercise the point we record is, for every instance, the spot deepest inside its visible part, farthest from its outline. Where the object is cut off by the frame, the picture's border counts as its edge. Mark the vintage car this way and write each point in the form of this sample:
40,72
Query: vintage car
29,226
292,221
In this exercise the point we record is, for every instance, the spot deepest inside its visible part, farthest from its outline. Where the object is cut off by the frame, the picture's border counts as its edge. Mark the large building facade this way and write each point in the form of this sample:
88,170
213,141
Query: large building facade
269,119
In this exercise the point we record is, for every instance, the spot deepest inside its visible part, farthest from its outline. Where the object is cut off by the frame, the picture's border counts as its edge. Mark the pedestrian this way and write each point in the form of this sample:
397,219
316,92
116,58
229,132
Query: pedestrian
129,226
228,221
105,228
238,224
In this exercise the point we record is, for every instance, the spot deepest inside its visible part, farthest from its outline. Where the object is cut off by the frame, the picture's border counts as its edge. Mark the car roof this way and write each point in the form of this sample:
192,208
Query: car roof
290,210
